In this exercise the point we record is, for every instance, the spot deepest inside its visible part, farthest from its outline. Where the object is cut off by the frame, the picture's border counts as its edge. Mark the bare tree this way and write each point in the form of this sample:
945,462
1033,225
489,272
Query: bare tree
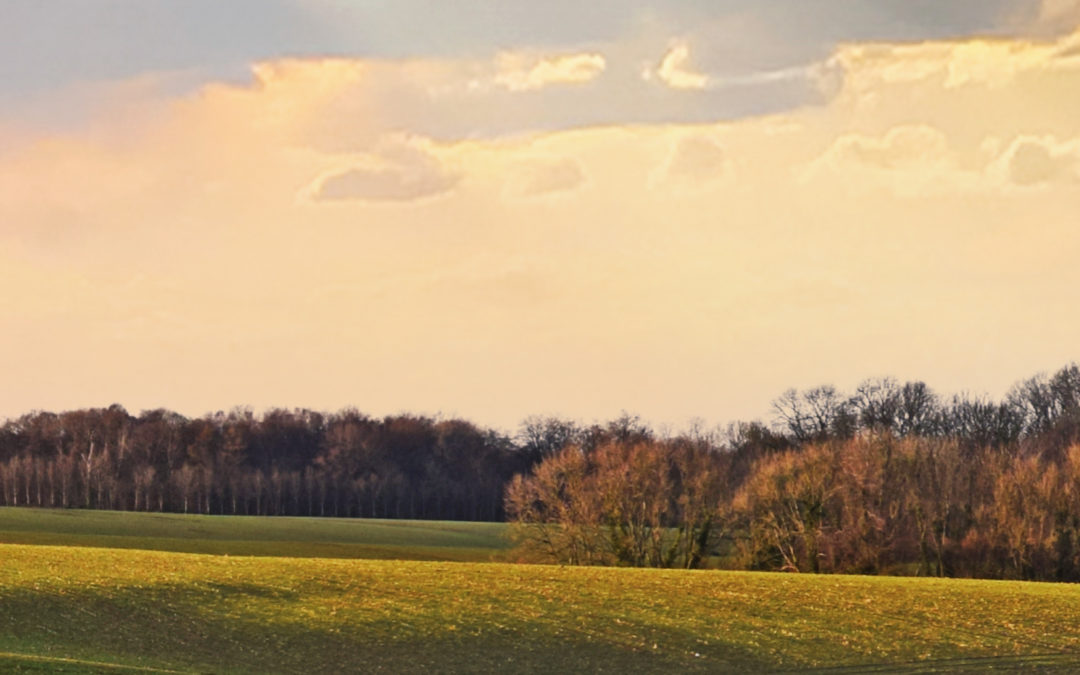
919,410
877,403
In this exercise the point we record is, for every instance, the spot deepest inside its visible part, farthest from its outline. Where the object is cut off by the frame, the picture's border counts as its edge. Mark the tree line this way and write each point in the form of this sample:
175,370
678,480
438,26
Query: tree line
284,462
888,477
281,463
874,504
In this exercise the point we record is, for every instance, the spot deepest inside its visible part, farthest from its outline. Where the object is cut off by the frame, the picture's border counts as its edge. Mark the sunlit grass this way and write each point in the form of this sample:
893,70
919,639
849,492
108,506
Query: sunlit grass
240,614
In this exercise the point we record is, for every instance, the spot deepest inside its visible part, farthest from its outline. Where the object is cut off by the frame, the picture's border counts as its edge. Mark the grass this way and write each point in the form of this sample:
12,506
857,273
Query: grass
257,536
72,609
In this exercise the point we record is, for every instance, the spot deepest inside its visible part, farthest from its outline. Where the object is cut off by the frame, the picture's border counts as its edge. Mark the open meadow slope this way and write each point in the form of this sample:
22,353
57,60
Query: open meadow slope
257,535
183,612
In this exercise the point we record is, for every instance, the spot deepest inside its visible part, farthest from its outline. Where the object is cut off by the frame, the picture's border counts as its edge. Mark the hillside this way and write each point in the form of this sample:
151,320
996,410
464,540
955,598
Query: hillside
173,611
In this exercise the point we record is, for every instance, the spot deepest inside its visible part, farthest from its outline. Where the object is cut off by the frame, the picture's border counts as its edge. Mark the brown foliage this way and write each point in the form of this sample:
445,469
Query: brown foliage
643,503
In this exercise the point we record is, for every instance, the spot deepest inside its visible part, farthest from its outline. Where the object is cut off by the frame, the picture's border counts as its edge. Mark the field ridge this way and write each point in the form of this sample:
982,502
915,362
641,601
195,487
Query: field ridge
56,663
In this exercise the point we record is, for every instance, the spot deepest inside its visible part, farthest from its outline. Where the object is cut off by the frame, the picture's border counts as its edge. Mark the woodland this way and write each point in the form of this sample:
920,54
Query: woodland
890,478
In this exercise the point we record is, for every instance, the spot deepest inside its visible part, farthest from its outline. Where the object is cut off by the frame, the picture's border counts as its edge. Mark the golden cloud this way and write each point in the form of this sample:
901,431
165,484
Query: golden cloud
675,70
910,160
1056,17
1034,161
916,178
543,177
992,63
399,173
697,158
524,72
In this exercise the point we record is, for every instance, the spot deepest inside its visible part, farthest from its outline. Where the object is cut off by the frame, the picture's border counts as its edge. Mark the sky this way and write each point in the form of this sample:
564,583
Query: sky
495,210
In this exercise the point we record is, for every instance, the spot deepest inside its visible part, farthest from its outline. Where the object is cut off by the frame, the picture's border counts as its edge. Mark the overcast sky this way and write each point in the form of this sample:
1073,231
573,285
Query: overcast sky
501,209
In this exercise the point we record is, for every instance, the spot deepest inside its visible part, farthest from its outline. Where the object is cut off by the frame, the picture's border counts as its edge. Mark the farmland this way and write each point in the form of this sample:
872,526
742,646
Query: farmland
83,609
257,536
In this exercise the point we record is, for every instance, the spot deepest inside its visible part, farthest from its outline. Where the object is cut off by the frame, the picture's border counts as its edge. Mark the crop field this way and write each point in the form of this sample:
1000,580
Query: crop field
77,609
256,535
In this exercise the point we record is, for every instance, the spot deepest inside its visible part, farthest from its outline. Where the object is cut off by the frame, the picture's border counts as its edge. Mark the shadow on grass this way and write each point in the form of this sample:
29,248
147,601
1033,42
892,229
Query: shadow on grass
190,628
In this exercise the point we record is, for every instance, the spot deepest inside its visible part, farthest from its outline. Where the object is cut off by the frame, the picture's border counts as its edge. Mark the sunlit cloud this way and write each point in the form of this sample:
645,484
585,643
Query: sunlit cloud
916,161
1057,16
675,69
522,72
911,160
695,161
990,63
543,177
400,172
400,234
1032,161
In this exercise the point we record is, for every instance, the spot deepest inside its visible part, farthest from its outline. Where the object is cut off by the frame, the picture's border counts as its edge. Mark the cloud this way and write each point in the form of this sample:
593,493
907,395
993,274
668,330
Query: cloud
917,160
543,177
522,72
1032,161
582,258
674,70
348,105
901,148
910,160
382,185
401,173
983,62
1055,17
696,160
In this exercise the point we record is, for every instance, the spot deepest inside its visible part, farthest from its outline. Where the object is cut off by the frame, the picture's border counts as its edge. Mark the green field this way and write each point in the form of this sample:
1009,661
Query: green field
76,609
257,536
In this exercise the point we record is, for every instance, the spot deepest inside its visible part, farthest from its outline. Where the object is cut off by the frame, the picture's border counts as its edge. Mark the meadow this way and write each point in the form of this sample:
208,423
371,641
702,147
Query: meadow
84,609
277,536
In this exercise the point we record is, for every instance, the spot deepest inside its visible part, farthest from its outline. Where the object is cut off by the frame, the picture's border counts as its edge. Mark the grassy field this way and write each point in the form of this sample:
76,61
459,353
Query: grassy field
257,536
68,609
429,596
